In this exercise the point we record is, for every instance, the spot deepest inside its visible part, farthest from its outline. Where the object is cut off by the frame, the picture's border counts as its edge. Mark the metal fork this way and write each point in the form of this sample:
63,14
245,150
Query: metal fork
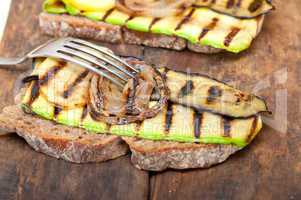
98,59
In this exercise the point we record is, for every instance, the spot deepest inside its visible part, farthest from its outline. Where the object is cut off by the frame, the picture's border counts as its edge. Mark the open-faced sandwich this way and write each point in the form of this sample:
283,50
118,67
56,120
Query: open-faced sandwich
207,26
168,119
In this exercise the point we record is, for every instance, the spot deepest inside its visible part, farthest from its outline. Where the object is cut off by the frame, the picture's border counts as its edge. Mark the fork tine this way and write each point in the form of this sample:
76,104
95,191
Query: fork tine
91,59
90,51
91,45
88,66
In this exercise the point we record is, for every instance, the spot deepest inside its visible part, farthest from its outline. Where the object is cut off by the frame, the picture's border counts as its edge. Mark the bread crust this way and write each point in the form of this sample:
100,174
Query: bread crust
76,26
203,49
66,25
59,141
161,155
153,40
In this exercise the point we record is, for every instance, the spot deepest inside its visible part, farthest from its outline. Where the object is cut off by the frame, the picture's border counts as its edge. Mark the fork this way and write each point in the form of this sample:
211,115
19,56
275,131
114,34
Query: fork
98,59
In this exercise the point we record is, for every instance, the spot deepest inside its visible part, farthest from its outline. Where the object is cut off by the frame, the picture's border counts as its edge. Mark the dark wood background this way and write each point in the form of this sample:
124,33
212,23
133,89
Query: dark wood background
270,168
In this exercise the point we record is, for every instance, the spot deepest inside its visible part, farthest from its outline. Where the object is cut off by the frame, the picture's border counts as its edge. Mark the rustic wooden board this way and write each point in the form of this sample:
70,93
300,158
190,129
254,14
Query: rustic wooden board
26,174
270,168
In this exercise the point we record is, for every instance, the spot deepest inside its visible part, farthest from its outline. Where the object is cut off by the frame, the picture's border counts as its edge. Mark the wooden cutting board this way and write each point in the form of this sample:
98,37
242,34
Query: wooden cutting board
269,168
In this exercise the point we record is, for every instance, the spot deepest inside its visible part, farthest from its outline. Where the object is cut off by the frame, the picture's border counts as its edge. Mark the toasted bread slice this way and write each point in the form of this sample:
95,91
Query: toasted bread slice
79,146
161,155
68,143
76,26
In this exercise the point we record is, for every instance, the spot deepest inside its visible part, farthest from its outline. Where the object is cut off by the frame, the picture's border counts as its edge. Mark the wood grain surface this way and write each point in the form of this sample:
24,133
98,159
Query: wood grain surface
269,168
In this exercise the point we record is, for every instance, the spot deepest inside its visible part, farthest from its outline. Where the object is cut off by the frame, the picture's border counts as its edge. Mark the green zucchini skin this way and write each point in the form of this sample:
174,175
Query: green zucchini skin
205,27
175,122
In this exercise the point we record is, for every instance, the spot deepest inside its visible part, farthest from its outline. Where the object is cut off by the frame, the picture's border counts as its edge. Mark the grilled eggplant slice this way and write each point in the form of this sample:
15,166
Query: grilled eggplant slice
239,8
200,26
185,123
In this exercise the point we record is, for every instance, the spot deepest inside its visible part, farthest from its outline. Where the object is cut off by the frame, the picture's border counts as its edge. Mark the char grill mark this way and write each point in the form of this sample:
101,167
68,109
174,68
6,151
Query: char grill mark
131,96
185,19
168,117
238,4
130,18
255,5
154,21
230,4
226,123
230,36
35,92
186,89
209,27
99,103
164,73
253,128
213,93
138,126
93,113
31,78
57,111
85,112
59,4
107,14
213,2
96,117
197,120
52,72
108,127
77,81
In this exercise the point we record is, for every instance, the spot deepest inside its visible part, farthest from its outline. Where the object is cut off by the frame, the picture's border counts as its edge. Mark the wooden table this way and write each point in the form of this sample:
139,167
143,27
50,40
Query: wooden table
270,168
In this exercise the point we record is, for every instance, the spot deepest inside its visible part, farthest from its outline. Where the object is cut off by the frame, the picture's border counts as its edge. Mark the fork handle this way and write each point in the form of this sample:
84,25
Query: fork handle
11,61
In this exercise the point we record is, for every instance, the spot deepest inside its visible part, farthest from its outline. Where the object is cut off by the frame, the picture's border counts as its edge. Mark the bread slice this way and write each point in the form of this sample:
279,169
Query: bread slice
80,146
161,155
76,26
68,143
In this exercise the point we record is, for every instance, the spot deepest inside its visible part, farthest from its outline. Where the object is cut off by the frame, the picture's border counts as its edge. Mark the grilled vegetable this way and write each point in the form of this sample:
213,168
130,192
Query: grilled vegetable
204,93
205,27
63,84
174,122
153,8
91,5
200,26
110,104
54,6
238,8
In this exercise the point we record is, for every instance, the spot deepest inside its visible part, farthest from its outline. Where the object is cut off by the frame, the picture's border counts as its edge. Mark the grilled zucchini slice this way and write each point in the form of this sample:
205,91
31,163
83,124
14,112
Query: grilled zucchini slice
201,26
181,120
